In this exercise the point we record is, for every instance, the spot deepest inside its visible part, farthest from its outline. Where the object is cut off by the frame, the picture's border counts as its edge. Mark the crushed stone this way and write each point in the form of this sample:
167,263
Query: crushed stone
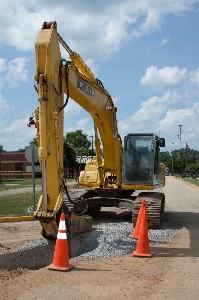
111,240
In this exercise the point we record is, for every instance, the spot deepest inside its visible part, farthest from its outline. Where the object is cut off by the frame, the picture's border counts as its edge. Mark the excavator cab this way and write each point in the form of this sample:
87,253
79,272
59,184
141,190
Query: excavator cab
141,159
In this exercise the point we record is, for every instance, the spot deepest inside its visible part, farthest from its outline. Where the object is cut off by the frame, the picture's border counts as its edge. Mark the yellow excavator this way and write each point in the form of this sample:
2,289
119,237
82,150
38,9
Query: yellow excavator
111,181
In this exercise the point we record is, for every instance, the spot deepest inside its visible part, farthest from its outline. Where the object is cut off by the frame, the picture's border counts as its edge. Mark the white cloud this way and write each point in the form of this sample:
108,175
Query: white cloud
71,109
92,65
19,22
14,72
188,118
74,111
146,118
115,99
17,135
194,77
152,21
4,106
2,65
82,123
164,41
96,30
175,117
167,77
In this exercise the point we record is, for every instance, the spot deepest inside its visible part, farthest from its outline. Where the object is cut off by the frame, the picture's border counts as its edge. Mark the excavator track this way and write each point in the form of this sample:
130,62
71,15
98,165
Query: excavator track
155,203
85,199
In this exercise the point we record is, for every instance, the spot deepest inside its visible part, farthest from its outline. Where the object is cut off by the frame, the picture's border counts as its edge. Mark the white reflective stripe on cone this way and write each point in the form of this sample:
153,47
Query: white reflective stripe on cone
62,225
62,235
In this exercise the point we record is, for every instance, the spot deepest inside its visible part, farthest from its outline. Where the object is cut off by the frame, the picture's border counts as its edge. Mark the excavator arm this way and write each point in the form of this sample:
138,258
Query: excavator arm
54,77
76,80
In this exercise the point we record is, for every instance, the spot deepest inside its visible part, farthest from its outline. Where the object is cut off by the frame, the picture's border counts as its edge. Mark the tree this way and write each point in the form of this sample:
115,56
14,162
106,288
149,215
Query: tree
80,142
193,168
34,142
179,157
193,155
165,158
69,156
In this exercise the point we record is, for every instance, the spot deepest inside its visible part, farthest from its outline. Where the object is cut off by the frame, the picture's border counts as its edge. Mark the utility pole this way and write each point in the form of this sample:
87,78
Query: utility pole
92,145
186,149
172,159
179,136
1,148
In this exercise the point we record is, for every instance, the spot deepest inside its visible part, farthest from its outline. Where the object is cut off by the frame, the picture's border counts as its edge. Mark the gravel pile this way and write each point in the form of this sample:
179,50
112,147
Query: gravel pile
35,243
112,239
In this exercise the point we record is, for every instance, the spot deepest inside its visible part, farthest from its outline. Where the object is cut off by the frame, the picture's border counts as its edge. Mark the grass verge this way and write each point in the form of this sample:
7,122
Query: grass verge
17,205
192,181
10,184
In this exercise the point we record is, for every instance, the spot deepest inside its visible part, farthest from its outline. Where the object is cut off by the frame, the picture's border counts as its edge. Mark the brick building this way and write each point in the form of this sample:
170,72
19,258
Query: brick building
14,165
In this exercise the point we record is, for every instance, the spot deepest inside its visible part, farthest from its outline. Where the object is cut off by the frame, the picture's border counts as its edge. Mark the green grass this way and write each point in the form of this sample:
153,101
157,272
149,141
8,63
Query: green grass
17,205
9,184
192,181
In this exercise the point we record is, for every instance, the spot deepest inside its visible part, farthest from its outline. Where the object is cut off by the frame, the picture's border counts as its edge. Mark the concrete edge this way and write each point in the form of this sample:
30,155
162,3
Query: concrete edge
34,258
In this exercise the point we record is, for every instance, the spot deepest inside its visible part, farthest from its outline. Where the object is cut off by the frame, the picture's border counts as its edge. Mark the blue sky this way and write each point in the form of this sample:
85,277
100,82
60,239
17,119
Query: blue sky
146,53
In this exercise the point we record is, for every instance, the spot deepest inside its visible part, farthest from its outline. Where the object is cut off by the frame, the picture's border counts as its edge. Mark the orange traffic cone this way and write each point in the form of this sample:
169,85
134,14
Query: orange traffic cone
61,258
142,249
137,226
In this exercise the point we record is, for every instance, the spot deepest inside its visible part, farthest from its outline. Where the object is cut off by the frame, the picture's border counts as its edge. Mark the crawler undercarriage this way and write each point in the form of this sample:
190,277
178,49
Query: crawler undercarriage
81,204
